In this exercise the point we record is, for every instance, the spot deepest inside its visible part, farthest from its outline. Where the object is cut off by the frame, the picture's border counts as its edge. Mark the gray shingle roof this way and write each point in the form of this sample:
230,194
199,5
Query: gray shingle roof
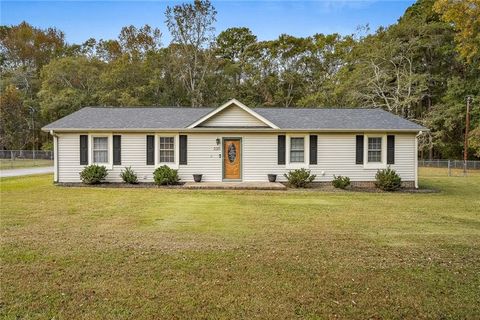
348,119
284,118
129,118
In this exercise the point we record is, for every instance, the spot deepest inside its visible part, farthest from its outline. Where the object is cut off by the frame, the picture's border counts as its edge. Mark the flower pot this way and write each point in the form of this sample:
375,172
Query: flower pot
272,177
197,177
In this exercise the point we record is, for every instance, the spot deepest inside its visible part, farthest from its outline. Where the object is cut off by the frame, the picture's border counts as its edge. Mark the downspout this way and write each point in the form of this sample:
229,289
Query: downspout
55,156
416,158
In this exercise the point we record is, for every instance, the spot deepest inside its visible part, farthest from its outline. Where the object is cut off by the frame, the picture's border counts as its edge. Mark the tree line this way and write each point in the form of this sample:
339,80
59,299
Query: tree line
422,68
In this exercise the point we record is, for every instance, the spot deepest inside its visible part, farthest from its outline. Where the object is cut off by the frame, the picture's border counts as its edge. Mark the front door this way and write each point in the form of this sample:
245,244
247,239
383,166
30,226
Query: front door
232,159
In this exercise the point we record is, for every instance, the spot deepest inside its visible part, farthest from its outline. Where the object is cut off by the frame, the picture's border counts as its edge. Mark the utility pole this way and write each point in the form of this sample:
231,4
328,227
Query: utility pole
467,127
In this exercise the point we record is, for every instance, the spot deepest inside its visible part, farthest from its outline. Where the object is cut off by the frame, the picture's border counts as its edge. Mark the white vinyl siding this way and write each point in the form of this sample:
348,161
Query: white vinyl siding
336,156
233,116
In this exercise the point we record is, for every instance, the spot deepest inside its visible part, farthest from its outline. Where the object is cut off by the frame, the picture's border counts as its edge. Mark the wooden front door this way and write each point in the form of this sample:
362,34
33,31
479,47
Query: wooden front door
232,156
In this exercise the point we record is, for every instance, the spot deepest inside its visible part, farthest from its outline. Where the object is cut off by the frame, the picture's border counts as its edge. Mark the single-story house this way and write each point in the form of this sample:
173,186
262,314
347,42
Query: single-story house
235,143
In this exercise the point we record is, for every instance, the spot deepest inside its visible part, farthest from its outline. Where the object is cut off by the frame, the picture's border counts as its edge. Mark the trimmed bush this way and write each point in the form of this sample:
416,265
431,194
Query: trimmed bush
388,180
340,182
129,176
299,178
93,174
164,175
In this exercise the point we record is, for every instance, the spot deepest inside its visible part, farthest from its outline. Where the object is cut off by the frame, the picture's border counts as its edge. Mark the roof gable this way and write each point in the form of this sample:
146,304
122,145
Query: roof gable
233,114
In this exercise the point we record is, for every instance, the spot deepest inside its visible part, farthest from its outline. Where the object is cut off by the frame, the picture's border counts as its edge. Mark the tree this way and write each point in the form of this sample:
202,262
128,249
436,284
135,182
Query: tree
24,50
108,50
328,69
139,42
447,118
474,141
465,16
232,42
28,47
191,27
123,82
69,84
230,47
15,123
290,56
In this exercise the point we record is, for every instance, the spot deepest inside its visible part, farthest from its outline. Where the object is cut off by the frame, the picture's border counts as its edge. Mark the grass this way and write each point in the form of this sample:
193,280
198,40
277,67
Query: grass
443,172
94,253
24,163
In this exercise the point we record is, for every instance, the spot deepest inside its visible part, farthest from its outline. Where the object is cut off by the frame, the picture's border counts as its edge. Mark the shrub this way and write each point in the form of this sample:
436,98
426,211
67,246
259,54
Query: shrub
47,146
340,182
93,174
129,176
299,178
164,175
388,180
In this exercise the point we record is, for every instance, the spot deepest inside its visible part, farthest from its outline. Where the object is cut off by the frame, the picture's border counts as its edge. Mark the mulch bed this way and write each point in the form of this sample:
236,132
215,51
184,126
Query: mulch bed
139,185
367,189
327,188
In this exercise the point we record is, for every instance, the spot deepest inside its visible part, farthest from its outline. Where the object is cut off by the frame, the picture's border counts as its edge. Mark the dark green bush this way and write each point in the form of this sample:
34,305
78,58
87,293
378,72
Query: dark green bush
129,176
340,182
93,174
299,178
388,180
164,175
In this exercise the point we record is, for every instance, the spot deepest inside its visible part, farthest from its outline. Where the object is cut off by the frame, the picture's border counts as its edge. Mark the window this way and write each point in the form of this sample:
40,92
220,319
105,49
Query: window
100,150
375,149
167,149
297,149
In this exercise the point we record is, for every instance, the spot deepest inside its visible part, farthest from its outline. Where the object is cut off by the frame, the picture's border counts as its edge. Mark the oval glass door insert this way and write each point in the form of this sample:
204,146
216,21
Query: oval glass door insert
232,152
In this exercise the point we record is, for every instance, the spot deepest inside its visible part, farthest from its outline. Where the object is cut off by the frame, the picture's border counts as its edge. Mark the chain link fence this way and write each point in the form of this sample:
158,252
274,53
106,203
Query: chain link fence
11,159
445,167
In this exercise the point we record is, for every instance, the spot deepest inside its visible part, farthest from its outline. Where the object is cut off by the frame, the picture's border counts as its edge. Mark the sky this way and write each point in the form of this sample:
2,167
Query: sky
80,20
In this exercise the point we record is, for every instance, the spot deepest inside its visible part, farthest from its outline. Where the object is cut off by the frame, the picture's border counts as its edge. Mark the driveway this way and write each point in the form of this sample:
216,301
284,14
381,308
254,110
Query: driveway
25,171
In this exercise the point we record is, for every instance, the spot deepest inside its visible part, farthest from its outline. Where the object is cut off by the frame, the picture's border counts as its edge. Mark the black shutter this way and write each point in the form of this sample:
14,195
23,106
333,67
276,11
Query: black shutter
183,149
150,150
359,152
83,149
117,150
281,149
313,149
390,149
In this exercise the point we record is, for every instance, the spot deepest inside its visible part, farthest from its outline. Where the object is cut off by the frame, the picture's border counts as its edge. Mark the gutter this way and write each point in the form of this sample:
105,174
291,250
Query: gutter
226,129
416,157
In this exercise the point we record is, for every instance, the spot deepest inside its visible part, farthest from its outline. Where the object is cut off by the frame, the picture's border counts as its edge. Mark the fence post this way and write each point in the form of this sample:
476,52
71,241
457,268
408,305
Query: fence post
449,169
464,168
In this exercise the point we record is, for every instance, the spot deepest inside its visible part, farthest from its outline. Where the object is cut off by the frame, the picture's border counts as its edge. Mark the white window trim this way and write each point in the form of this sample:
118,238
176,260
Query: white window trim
109,136
306,152
176,142
375,165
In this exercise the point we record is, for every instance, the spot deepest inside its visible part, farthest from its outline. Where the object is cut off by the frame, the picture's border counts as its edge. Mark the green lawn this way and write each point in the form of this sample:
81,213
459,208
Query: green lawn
24,163
154,253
